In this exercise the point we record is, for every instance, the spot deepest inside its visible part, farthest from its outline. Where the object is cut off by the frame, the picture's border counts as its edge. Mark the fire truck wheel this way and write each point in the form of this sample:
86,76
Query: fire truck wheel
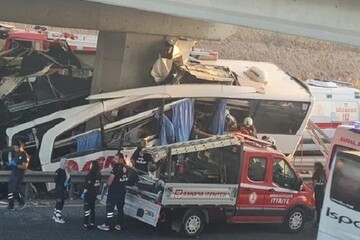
295,220
193,223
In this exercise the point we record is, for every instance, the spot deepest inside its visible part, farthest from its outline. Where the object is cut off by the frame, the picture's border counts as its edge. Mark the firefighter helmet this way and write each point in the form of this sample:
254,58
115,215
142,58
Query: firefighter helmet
248,121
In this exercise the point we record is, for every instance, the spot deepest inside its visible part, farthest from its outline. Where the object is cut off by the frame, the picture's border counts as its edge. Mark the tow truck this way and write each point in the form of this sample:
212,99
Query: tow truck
232,177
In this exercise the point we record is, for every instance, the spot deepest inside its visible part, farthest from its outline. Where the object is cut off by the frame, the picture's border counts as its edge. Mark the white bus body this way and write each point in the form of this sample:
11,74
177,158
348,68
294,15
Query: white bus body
272,98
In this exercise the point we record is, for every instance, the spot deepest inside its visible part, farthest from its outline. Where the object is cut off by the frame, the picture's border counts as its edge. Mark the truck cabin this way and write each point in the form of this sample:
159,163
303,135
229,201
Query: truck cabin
10,39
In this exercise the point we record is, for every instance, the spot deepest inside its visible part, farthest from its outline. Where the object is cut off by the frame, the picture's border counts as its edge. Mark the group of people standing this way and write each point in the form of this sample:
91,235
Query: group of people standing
116,185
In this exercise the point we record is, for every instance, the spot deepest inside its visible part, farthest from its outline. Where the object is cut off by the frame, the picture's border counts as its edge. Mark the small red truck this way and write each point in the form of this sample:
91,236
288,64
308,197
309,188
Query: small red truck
232,177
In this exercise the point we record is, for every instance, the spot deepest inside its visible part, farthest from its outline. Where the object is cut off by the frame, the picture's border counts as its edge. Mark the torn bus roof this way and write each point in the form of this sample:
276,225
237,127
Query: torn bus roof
209,73
9,84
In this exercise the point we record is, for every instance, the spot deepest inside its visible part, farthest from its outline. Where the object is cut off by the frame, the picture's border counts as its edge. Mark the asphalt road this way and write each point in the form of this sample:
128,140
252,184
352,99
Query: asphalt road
35,222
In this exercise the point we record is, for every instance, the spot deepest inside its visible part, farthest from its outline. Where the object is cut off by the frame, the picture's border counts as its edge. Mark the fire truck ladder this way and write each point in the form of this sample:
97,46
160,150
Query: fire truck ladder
159,152
218,141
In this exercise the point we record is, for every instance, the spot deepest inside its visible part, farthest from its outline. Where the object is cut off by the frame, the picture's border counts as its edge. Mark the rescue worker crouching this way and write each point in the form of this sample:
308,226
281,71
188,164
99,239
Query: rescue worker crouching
248,128
116,184
19,165
91,190
62,183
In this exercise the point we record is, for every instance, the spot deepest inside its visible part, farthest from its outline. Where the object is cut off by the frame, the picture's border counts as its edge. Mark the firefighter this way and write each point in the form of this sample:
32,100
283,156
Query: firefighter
319,181
62,183
91,190
248,128
19,165
116,184
230,121
273,143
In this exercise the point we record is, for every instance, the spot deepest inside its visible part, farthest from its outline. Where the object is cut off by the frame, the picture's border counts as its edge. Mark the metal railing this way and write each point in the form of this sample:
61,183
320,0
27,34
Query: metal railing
48,177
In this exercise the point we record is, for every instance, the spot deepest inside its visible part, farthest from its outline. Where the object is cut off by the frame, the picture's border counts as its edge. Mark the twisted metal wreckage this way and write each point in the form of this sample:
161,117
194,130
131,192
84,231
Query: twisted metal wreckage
36,83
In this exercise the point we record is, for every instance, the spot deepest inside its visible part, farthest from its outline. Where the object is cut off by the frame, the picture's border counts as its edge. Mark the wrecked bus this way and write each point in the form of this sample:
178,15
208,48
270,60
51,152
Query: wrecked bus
281,115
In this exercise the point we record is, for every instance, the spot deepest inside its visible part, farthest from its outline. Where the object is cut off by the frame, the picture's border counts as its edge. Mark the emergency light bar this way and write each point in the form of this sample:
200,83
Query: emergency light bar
356,125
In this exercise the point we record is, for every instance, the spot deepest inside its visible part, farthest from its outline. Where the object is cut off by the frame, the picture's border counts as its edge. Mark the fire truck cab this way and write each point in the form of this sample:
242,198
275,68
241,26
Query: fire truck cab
15,38
233,177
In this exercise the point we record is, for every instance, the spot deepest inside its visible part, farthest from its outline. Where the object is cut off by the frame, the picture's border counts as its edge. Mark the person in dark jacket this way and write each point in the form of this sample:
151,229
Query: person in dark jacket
19,165
140,160
116,183
319,181
62,182
91,190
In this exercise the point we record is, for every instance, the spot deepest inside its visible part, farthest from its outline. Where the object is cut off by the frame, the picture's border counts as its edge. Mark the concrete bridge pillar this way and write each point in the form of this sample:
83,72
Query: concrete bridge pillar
124,60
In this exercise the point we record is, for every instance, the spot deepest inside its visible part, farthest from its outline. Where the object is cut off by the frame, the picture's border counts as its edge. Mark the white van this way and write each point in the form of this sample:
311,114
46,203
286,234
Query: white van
340,216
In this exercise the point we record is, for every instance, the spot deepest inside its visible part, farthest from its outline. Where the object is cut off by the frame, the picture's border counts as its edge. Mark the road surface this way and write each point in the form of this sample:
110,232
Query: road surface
35,222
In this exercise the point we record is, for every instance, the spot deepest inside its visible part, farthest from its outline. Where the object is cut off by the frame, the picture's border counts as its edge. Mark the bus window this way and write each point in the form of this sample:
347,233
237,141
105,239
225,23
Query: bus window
278,117
345,185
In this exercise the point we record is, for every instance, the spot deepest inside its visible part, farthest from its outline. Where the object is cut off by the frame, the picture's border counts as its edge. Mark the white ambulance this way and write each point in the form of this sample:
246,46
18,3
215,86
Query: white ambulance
340,216
335,103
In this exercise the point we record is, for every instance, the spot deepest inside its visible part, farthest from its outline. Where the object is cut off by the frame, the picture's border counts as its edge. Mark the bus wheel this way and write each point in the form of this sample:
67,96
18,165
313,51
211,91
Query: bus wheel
193,223
295,220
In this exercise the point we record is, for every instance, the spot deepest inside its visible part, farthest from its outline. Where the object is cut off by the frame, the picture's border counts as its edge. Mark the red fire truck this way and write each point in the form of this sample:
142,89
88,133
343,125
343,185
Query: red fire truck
40,39
232,177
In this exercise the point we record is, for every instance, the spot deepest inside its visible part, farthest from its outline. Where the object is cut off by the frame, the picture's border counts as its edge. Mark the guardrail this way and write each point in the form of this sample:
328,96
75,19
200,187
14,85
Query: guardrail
48,177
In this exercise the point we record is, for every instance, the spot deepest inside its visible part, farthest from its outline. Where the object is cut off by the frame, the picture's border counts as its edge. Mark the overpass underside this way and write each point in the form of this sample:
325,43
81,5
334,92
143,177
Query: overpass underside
132,33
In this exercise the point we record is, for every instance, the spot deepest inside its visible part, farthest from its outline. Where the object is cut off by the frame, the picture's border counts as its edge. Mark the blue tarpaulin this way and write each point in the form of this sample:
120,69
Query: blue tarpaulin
167,134
218,121
89,141
183,119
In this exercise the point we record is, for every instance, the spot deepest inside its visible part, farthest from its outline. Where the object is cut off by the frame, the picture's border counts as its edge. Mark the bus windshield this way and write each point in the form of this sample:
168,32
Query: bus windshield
345,185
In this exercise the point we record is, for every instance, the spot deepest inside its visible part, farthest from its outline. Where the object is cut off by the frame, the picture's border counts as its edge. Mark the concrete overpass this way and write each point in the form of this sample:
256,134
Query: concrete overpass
132,31
331,20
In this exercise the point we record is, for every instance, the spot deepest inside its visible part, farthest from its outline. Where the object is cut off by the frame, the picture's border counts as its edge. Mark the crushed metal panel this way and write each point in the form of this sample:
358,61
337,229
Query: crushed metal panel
210,73
145,210
199,194
161,69
9,84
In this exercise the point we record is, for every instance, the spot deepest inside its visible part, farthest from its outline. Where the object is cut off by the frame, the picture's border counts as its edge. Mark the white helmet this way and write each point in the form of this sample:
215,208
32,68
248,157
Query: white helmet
272,140
248,121
227,113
